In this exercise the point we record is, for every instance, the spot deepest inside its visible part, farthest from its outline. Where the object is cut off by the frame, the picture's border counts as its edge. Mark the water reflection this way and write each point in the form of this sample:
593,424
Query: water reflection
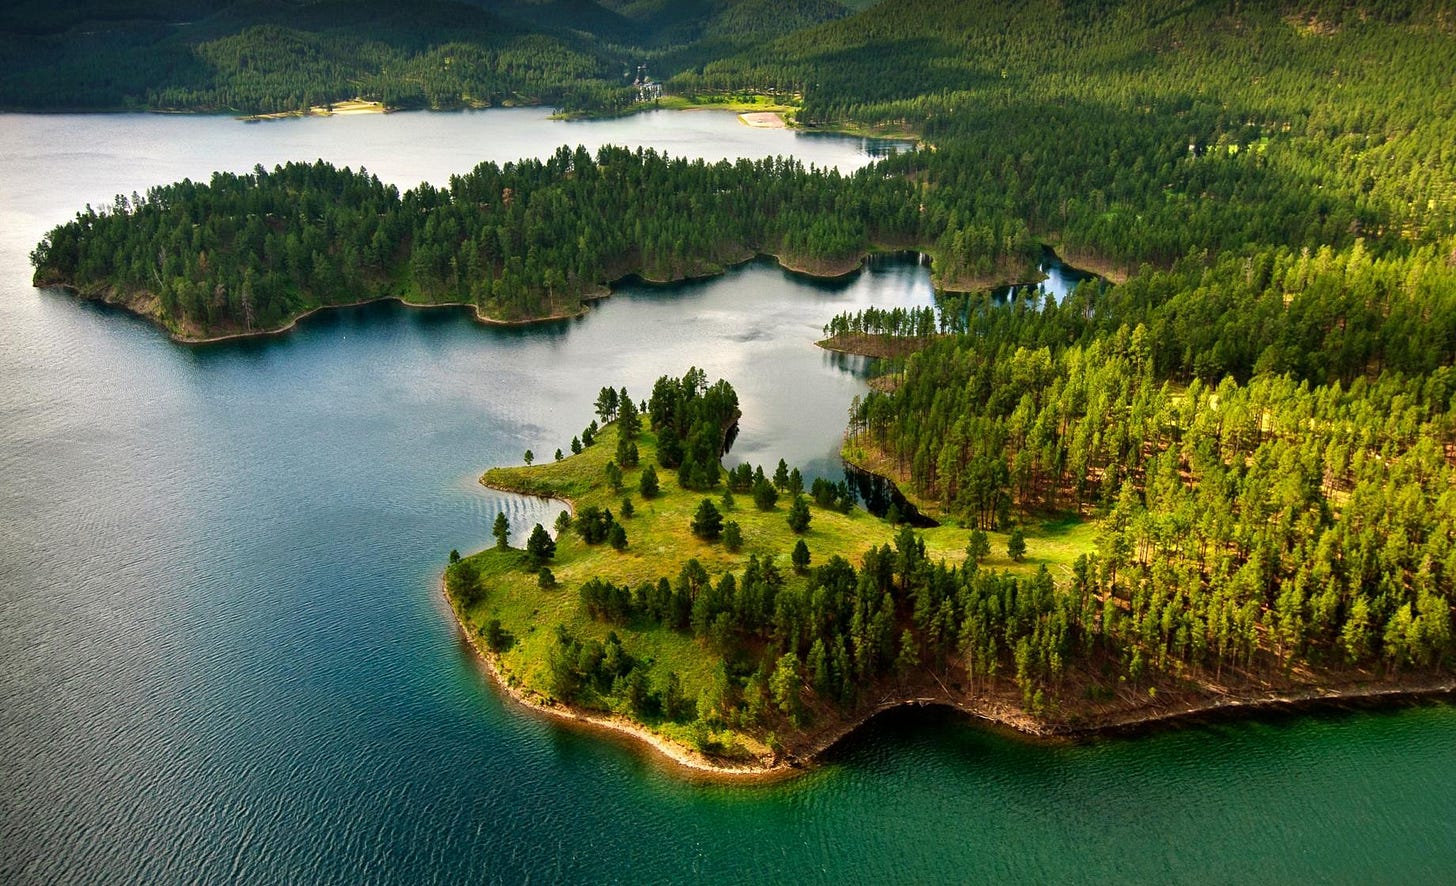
878,494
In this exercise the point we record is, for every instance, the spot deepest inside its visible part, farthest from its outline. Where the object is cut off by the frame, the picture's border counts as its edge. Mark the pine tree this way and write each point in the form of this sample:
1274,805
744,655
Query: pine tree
764,495
540,547
800,557
1016,545
799,515
707,521
979,546
502,531
647,483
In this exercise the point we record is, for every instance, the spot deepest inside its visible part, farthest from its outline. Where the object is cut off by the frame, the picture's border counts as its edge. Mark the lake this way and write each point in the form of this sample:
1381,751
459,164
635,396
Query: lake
224,655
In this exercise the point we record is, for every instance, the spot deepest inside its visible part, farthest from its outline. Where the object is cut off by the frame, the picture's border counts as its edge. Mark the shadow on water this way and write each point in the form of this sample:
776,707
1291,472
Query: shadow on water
874,147
854,364
921,733
1060,280
874,261
877,494
363,319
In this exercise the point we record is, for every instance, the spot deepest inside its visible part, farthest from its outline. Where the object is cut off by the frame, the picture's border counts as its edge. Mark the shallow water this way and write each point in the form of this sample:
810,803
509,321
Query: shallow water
223,655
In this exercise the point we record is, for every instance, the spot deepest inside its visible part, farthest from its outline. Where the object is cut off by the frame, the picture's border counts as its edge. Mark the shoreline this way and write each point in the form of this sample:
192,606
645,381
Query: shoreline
129,306
831,269
874,345
985,710
130,303
999,717
679,756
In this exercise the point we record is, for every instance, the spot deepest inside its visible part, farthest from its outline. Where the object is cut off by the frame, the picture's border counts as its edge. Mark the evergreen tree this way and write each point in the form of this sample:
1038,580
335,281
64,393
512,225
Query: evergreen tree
647,484
785,686
799,515
979,546
800,557
796,483
627,455
675,706
1016,545
764,495
607,404
732,536
629,421
502,531
707,521
540,547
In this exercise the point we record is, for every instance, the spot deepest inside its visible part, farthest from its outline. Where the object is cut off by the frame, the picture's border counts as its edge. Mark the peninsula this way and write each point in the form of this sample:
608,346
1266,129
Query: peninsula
740,621
250,254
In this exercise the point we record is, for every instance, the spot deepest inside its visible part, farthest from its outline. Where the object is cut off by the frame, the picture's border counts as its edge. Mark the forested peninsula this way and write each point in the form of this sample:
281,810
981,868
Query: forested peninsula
532,240
741,621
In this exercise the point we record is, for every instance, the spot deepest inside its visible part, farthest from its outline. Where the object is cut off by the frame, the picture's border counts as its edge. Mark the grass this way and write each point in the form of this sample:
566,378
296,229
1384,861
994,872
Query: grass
742,103
660,543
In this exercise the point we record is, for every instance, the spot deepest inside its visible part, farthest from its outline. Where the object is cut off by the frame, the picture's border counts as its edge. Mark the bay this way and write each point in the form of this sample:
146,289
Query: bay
224,656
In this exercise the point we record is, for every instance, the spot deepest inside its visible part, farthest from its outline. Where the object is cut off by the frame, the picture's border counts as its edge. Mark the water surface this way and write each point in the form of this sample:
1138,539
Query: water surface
223,654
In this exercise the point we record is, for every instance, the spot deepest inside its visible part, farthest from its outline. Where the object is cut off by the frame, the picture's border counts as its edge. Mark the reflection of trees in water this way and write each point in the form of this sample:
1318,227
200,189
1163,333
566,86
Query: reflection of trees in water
877,494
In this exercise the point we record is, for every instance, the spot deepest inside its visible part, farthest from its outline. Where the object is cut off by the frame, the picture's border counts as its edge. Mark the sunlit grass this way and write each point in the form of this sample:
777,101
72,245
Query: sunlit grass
660,542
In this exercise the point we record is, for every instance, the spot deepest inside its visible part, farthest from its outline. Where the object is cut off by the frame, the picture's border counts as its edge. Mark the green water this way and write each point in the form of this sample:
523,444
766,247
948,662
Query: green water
223,657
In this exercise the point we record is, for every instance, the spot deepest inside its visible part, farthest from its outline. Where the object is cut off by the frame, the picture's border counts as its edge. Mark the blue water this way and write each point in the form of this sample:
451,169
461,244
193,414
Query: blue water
224,656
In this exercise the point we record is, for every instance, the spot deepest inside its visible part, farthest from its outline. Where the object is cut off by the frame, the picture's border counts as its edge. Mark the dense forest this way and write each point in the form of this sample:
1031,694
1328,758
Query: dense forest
1136,131
1122,137
530,239
1240,550
1270,444
266,56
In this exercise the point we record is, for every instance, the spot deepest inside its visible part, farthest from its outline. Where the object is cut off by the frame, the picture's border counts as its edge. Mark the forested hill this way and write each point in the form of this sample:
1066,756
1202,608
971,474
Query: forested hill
265,56
1126,125
270,55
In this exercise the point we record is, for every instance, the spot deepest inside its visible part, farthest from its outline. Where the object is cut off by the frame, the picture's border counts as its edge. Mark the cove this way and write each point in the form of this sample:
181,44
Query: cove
225,656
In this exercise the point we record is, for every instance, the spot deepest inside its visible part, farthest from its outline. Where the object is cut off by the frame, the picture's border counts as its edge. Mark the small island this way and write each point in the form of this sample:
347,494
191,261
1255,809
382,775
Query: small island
742,621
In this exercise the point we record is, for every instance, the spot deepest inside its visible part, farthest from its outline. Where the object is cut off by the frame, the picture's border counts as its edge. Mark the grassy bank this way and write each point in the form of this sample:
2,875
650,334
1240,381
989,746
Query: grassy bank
659,544
513,621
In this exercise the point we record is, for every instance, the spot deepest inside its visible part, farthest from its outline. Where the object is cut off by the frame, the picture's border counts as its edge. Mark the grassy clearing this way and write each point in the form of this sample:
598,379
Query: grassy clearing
660,542
740,102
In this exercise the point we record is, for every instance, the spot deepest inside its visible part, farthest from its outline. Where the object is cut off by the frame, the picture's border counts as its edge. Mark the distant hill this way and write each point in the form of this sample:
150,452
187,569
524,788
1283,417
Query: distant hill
258,56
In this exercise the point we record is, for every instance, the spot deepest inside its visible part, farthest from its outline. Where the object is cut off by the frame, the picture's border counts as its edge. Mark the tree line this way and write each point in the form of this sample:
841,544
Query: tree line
519,241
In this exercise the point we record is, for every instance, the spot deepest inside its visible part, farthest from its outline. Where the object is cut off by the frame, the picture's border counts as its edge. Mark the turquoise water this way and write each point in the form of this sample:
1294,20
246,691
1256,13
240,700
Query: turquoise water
223,654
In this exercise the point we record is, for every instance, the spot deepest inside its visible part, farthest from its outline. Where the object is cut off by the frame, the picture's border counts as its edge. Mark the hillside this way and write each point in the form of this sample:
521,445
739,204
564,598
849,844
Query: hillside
268,56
